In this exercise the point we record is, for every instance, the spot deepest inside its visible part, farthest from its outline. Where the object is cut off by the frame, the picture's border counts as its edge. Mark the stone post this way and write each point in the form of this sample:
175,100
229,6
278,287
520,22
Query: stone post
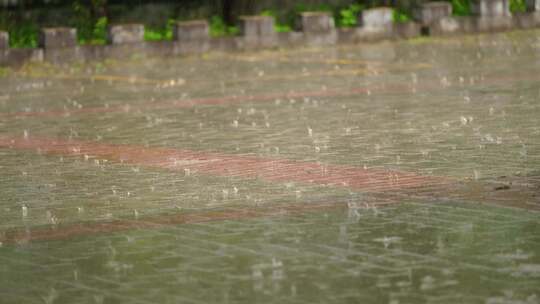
57,38
125,33
4,40
494,15
533,5
491,8
258,31
192,36
377,19
319,28
432,12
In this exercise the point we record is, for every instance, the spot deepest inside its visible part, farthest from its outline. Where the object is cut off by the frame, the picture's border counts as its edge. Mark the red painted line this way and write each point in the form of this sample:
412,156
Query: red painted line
227,165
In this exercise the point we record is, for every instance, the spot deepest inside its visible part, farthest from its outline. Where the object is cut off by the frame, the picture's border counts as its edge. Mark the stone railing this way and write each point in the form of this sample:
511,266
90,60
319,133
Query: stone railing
59,45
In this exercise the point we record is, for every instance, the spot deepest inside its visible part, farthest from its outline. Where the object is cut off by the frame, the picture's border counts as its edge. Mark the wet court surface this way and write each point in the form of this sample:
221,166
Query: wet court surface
403,172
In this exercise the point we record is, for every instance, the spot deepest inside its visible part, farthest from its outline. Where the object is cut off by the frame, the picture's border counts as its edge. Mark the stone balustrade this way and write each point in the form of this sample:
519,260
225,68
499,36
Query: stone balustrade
4,40
258,31
318,28
191,36
491,8
431,12
314,29
533,5
58,37
125,33
377,19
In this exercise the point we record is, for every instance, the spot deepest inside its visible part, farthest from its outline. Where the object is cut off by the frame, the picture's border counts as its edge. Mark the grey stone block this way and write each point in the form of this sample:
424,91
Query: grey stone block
347,35
445,25
291,39
125,33
58,37
192,37
491,8
526,20
533,5
407,30
319,28
433,11
377,18
18,57
195,30
494,24
453,25
4,40
258,31
316,22
226,44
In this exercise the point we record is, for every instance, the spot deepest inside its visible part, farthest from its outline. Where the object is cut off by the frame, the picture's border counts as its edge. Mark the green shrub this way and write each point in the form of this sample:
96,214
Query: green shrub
461,7
399,16
158,34
100,31
518,6
280,28
24,35
348,16
218,28
96,34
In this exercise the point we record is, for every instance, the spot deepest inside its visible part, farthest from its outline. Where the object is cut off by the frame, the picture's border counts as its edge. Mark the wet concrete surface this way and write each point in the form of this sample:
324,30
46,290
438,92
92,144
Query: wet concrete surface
397,172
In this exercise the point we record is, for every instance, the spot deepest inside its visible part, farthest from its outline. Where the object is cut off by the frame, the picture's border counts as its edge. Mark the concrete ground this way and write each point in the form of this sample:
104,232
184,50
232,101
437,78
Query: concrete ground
396,172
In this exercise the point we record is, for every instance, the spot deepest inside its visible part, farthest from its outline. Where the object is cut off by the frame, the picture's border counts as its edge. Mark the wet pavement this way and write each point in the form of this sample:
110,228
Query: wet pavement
396,172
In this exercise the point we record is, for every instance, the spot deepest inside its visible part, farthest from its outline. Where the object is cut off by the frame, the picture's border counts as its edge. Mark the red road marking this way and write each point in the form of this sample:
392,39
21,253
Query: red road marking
227,165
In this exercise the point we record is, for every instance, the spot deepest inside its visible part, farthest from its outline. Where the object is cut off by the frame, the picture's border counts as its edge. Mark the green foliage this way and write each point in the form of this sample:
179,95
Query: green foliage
218,28
461,7
518,6
280,28
300,8
90,21
159,34
348,16
24,35
100,30
400,16
95,34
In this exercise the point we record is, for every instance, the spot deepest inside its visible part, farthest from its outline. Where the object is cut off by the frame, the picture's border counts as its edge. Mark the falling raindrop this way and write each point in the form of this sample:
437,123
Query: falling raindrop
24,210
51,297
476,174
